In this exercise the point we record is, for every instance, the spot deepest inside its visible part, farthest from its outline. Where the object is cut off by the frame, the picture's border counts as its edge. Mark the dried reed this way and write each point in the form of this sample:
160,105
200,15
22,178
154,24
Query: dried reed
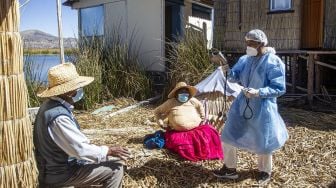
17,165
306,160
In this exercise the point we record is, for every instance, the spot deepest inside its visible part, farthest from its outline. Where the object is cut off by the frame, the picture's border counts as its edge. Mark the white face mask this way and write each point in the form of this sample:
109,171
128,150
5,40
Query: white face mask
79,95
251,51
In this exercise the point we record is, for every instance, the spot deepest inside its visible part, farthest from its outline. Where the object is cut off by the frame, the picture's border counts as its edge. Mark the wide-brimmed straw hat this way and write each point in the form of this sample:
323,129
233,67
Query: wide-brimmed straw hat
64,78
180,85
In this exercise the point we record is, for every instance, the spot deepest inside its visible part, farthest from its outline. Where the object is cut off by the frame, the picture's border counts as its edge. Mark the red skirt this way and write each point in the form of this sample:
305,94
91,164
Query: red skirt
200,143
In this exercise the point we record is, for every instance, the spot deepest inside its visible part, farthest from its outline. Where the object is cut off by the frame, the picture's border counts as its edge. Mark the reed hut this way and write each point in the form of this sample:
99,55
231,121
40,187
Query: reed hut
289,24
17,166
302,31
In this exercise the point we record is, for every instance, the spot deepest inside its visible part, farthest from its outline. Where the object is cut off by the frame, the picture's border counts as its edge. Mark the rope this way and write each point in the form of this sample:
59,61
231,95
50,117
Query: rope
11,75
10,32
15,164
248,107
15,120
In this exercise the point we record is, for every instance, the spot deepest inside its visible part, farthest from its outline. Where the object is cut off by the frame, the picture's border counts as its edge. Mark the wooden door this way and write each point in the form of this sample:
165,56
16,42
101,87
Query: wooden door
312,24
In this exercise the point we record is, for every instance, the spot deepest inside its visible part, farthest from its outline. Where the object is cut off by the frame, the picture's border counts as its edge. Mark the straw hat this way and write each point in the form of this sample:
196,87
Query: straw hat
180,85
64,78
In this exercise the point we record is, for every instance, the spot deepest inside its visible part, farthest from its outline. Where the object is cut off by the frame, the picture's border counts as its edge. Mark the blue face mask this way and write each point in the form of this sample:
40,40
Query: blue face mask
79,95
183,97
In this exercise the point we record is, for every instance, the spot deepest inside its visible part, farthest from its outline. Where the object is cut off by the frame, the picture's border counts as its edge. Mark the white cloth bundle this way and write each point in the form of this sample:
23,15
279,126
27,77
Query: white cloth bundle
216,82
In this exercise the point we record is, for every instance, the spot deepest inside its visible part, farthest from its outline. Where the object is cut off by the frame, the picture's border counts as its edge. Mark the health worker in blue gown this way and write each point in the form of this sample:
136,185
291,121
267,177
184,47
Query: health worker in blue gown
253,121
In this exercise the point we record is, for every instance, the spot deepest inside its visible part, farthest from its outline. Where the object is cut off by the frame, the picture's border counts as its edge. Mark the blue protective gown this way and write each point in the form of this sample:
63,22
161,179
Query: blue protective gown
266,130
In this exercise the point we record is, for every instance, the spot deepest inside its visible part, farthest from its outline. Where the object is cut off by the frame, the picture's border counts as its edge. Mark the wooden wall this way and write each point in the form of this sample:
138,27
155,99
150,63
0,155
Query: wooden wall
330,24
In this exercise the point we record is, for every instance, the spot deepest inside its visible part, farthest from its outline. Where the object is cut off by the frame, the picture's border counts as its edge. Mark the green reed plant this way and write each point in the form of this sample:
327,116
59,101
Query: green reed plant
115,65
87,59
188,59
33,80
124,75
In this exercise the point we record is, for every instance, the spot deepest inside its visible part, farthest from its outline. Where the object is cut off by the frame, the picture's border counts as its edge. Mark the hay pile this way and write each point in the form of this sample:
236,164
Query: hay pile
307,159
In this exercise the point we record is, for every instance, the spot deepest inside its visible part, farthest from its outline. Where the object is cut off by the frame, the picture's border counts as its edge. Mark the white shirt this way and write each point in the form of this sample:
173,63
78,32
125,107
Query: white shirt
64,132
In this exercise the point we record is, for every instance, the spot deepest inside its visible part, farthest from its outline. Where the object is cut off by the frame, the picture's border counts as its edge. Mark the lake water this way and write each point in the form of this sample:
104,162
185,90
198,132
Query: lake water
37,66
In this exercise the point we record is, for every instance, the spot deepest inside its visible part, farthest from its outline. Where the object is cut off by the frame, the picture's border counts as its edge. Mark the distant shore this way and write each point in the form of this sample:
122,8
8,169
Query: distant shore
47,51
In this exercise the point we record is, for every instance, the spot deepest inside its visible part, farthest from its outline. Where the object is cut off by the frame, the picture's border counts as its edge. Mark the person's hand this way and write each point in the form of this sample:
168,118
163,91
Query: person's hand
225,68
218,58
117,151
250,92
160,122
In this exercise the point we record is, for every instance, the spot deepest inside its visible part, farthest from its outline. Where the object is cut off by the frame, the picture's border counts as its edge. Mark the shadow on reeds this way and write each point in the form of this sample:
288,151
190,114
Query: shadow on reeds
332,184
311,120
136,140
181,174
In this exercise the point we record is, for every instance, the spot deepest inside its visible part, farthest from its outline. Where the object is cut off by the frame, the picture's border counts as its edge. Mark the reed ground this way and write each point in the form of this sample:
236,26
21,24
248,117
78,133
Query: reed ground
306,160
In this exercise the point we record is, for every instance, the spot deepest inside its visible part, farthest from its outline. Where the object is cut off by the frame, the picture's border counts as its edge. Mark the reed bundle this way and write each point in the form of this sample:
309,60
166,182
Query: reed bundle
13,99
10,48
17,165
9,16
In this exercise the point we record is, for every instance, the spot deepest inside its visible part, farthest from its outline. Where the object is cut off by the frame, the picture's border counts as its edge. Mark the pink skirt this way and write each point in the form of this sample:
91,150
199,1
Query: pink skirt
200,143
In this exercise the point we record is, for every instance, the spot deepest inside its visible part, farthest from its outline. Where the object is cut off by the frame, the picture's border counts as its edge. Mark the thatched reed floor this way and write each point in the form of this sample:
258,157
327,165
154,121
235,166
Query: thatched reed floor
307,159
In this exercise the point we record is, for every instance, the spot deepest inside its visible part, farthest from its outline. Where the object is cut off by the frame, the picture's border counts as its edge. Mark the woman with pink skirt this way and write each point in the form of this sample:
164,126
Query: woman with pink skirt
187,134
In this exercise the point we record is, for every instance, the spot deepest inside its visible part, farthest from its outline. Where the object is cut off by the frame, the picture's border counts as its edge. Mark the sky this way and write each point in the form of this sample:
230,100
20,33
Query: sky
42,15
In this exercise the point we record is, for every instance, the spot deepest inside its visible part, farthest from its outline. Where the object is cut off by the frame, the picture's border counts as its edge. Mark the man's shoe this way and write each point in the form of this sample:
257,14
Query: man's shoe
227,173
263,178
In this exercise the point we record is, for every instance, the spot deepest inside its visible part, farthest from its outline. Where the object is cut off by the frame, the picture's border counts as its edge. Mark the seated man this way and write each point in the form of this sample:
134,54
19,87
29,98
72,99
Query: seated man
187,133
64,155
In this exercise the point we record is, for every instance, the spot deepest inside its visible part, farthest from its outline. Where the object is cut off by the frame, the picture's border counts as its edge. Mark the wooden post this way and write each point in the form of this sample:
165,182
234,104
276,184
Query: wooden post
293,72
205,30
300,70
287,62
60,34
317,77
310,83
